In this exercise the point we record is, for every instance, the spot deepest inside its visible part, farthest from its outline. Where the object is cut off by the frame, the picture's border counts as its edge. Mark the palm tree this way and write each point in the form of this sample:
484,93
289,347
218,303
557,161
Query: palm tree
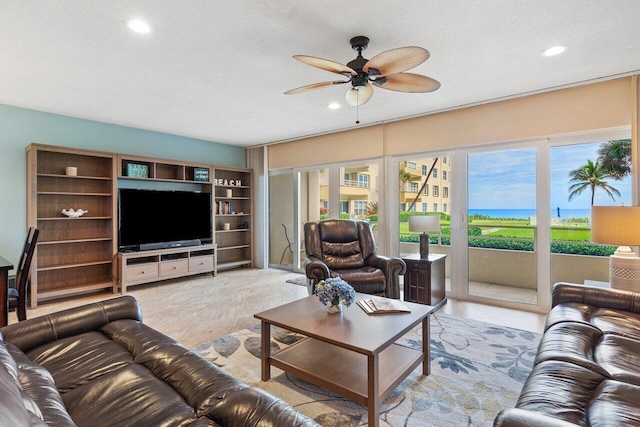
615,158
404,177
590,176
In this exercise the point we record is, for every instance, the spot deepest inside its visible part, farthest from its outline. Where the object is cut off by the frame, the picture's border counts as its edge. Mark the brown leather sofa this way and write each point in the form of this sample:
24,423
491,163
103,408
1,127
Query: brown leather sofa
99,365
587,367
346,249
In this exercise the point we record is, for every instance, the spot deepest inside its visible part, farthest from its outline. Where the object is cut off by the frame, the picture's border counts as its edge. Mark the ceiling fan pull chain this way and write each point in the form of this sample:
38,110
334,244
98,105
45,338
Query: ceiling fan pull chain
357,108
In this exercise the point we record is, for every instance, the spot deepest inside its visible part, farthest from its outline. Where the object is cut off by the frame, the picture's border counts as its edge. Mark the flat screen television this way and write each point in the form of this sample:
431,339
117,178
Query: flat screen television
154,217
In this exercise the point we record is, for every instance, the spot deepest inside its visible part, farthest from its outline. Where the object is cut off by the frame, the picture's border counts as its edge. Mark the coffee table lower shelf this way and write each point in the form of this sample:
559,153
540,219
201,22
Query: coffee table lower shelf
344,371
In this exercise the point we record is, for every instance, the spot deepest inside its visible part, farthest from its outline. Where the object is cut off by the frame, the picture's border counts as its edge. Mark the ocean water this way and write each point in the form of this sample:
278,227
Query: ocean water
526,213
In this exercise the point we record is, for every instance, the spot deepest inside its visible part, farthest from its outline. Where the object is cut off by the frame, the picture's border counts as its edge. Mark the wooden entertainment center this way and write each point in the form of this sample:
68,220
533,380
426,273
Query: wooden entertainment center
79,255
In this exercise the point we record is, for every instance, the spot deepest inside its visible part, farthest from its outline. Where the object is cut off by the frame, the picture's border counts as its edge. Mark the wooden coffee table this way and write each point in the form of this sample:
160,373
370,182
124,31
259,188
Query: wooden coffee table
351,353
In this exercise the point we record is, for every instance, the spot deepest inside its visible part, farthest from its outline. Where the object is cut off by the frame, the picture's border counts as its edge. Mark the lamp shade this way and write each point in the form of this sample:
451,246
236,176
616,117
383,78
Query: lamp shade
615,225
424,223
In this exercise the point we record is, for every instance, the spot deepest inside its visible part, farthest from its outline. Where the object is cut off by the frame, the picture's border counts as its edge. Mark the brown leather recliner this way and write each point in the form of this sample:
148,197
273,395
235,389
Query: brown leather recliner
346,249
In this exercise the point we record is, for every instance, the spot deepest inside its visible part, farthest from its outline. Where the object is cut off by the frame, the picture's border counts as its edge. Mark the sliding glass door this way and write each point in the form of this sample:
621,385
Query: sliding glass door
502,225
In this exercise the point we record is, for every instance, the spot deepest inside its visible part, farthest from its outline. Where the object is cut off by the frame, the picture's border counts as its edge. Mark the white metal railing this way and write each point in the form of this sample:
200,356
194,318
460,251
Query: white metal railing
353,183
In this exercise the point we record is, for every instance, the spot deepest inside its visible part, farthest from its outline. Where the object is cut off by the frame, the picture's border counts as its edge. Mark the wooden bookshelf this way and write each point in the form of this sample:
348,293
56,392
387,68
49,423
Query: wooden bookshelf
73,255
233,219
78,255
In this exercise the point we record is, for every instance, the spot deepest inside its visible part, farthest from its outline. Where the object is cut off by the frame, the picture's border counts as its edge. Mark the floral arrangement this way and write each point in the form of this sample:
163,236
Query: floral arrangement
335,291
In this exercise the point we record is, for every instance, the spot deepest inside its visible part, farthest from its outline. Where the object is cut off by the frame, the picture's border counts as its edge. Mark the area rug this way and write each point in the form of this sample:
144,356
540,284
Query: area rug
302,281
477,369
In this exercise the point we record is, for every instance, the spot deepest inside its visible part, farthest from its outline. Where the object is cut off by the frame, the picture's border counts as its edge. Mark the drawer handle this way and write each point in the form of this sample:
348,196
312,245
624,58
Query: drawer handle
175,268
143,272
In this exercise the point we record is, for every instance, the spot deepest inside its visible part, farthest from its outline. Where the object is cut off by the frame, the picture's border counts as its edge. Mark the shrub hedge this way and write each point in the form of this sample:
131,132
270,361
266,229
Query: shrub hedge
511,245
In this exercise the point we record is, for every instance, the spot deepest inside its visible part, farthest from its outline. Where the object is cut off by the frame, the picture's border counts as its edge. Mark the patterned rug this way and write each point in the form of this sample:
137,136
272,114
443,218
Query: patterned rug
302,281
477,369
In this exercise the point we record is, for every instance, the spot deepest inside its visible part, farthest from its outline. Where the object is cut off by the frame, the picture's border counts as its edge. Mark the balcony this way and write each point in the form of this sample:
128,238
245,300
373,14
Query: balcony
416,174
358,190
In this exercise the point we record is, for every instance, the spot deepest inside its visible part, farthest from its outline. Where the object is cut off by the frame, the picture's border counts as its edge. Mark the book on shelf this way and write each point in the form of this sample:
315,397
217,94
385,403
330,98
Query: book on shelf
383,306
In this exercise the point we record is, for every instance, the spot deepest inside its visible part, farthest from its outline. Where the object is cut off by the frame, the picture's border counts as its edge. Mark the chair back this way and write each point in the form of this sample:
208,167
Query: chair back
24,265
340,243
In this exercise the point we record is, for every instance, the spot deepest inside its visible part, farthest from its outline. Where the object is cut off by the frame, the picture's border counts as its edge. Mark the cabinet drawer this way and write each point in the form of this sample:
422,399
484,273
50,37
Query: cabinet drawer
201,263
170,268
142,272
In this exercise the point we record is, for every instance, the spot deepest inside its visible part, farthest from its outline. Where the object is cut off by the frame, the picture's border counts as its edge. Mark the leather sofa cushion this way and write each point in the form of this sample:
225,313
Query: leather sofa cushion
620,356
38,384
77,360
12,409
367,280
561,390
128,396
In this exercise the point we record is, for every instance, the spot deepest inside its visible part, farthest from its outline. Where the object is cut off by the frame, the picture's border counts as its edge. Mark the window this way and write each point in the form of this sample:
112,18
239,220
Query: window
444,160
413,187
424,170
435,172
435,207
363,180
444,207
425,190
444,175
436,191
412,208
445,192
411,165
344,206
347,178
424,207
359,207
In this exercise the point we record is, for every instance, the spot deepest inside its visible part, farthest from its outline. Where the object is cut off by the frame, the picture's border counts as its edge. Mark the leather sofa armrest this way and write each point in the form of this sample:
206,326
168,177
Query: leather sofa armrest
514,417
316,270
392,268
615,299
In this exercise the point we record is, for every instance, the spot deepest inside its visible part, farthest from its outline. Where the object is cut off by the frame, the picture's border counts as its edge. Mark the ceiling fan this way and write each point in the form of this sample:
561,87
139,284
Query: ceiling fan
385,70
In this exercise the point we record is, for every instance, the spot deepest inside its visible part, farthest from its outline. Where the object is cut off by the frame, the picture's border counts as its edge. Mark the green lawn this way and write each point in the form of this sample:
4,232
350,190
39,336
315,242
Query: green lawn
577,234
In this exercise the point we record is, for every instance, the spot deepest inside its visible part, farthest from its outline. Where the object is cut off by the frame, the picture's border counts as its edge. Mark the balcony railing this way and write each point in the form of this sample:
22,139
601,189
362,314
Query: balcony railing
353,183
522,238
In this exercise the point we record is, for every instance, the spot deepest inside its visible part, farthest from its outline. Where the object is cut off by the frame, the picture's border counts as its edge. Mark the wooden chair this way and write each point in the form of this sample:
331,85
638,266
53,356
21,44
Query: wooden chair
18,295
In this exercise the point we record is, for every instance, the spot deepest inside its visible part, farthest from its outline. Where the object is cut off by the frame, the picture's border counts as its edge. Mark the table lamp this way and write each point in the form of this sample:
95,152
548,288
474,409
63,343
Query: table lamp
619,225
425,224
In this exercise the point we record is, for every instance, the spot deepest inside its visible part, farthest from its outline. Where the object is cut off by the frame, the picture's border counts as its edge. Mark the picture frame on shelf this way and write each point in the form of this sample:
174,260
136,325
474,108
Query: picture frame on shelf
201,174
137,170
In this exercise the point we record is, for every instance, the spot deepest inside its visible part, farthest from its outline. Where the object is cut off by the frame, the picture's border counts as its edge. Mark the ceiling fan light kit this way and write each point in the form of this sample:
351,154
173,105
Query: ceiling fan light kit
385,70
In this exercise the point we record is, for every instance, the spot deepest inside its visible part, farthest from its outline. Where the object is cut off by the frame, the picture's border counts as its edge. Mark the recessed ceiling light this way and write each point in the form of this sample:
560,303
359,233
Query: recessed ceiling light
554,50
333,106
138,26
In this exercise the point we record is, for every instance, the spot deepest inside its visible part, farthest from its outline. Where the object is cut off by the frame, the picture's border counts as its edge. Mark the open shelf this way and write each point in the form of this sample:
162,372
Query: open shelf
233,220
72,254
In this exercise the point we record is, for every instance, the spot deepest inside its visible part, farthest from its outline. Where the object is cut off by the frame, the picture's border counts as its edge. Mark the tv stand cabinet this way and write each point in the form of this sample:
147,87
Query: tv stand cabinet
135,268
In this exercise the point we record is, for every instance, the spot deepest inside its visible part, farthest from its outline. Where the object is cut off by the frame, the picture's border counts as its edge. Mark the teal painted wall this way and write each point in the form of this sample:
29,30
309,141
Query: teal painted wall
20,127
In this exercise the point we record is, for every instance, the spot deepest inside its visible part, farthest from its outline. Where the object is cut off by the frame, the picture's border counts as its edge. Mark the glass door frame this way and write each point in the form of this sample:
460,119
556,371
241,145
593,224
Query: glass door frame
460,232
271,173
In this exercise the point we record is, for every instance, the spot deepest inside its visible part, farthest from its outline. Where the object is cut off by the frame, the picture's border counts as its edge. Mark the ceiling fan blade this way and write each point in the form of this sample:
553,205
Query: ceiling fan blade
314,86
358,97
325,64
397,60
409,82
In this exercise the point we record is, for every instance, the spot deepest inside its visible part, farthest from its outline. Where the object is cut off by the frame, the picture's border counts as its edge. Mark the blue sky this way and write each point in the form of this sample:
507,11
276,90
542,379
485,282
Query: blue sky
506,179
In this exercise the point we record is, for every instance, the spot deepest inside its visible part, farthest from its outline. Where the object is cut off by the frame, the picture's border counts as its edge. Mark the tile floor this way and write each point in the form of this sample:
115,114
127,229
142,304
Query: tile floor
200,308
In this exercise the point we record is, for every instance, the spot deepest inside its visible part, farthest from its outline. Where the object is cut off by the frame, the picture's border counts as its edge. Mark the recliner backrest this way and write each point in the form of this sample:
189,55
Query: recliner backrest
339,243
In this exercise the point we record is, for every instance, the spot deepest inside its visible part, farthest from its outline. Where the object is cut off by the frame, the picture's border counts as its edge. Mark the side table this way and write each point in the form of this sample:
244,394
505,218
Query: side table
424,280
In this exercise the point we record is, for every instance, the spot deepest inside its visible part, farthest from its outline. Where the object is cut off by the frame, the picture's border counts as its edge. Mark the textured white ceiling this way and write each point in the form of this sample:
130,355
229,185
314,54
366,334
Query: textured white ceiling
217,70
